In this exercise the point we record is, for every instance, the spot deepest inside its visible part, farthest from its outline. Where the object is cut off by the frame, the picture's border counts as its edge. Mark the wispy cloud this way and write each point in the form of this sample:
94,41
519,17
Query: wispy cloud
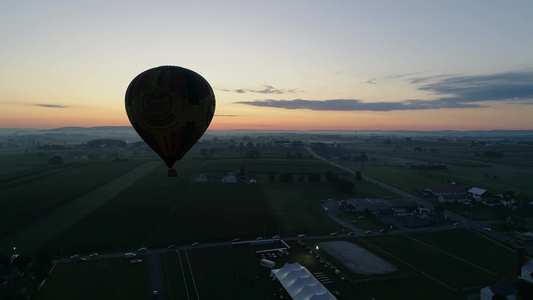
478,88
355,105
51,105
460,92
371,81
267,89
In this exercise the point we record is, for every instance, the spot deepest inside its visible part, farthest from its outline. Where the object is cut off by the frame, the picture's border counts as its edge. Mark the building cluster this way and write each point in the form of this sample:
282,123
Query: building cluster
455,194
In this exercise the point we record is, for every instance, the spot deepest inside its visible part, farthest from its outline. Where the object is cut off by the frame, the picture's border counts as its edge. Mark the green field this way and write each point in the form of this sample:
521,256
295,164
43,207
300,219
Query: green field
118,205
102,279
430,266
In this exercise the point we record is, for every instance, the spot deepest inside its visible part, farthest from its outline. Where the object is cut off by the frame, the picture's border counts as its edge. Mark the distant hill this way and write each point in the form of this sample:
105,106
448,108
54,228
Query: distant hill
127,132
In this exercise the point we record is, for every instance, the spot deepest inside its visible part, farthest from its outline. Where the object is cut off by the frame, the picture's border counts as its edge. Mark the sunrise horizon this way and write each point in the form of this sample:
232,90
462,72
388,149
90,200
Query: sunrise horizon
277,65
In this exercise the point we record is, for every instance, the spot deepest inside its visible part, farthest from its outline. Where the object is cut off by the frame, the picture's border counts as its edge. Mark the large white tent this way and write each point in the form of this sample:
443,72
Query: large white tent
300,283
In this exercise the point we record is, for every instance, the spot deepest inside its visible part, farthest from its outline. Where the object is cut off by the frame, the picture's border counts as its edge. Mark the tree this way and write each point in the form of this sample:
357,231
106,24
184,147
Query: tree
362,157
55,160
314,178
345,186
212,151
301,178
358,175
329,175
439,211
493,154
499,297
271,178
285,177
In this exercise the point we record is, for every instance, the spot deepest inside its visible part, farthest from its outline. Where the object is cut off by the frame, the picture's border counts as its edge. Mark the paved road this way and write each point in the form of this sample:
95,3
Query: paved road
478,226
156,274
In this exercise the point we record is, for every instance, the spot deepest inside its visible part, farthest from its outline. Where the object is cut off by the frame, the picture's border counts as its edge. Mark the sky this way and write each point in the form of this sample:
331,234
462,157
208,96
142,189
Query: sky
275,65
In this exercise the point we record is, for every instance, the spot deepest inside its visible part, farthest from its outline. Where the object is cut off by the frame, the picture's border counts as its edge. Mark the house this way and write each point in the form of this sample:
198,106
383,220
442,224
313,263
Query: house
421,212
400,212
503,289
229,178
527,271
481,195
447,194
201,178
476,193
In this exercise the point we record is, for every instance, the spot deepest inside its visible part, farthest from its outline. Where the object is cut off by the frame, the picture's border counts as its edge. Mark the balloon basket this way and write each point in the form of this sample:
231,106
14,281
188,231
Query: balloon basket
172,173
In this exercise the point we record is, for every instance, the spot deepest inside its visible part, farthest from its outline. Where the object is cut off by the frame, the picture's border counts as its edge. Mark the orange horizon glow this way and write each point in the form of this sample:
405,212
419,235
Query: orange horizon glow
373,121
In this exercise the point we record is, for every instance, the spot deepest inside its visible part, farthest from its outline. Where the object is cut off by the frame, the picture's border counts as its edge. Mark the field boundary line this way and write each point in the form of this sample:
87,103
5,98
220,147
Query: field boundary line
408,264
192,275
454,256
183,273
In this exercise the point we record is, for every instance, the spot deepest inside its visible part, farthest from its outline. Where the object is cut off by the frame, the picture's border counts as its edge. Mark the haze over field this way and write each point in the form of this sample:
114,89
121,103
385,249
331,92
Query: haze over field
276,65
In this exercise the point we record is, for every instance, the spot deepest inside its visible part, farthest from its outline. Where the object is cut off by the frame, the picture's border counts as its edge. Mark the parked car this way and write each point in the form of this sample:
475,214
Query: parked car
276,237
195,244
129,255
136,261
301,235
333,234
75,257
93,255
171,246
142,249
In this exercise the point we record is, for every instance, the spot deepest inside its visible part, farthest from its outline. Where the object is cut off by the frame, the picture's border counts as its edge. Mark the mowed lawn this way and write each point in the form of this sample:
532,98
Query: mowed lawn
456,258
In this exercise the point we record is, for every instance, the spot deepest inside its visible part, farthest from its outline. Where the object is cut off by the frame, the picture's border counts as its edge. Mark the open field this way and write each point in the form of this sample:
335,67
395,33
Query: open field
466,165
155,211
99,279
428,268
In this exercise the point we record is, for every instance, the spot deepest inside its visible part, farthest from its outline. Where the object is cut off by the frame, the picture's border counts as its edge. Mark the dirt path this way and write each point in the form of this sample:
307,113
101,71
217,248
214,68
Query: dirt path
46,227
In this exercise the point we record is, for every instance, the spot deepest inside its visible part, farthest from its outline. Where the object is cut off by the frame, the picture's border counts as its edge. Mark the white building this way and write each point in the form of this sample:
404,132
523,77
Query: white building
230,178
503,289
527,271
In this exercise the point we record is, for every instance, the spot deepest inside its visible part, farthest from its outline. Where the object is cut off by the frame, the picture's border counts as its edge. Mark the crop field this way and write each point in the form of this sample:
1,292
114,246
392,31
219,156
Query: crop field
134,204
466,165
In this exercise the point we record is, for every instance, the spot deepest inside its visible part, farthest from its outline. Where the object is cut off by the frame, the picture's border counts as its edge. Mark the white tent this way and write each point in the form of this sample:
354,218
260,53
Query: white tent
300,283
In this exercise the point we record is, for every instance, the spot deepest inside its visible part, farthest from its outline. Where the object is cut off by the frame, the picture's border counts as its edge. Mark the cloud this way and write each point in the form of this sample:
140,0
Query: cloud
227,116
514,86
51,105
353,105
371,81
460,92
267,89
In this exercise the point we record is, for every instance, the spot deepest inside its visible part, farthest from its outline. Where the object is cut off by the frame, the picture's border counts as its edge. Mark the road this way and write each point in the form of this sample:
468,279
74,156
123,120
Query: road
478,226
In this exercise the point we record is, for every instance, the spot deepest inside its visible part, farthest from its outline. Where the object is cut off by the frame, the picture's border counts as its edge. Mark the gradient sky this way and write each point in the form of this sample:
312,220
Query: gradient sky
275,65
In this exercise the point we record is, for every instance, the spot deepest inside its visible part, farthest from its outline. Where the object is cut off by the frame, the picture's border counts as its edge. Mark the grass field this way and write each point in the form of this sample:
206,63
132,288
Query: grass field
430,266
101,279
156,211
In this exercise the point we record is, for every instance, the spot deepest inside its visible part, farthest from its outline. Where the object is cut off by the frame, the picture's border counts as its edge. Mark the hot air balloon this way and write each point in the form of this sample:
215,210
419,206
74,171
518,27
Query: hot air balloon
170,108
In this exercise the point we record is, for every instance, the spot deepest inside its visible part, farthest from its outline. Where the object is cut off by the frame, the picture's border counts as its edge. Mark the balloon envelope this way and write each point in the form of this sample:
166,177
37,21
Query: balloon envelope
170,108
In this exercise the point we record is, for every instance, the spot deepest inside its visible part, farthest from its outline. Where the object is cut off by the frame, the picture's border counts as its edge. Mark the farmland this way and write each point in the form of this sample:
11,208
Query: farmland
120,200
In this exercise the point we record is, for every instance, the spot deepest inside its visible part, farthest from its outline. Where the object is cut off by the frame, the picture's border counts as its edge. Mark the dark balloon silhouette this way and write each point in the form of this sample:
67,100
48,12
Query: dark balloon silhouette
170,108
